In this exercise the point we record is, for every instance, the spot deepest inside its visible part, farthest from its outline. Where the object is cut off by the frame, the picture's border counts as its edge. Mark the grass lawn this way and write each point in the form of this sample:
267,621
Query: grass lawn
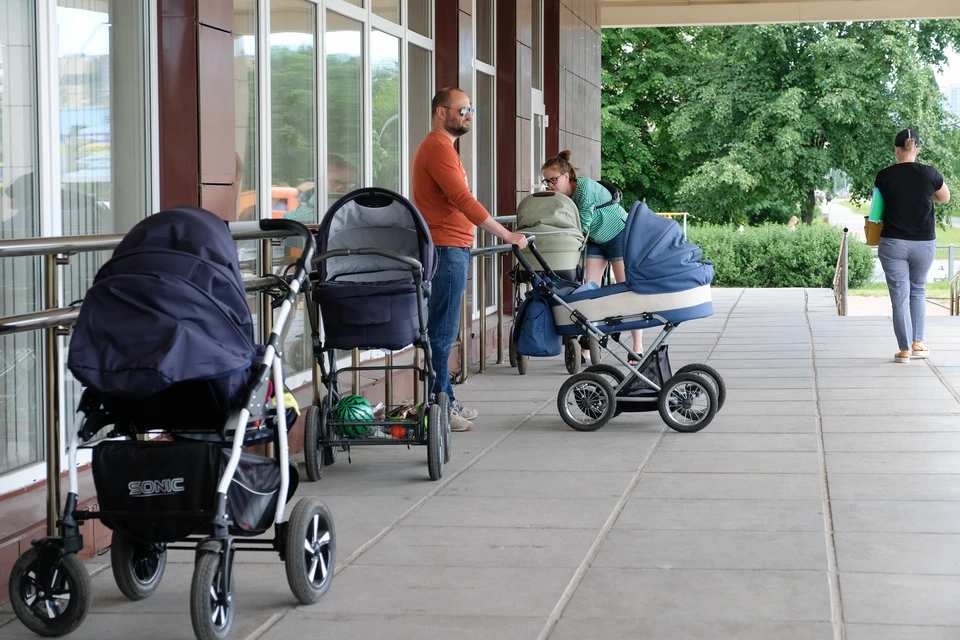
939,290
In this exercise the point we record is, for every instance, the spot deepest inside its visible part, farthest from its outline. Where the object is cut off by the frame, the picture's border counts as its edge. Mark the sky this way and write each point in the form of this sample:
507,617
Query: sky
951,73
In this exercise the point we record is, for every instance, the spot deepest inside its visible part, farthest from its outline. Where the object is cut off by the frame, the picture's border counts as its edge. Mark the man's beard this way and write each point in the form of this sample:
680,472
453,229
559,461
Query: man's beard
457,129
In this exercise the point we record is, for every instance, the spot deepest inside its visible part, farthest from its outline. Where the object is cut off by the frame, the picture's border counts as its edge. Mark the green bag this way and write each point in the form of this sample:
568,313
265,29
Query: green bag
876,207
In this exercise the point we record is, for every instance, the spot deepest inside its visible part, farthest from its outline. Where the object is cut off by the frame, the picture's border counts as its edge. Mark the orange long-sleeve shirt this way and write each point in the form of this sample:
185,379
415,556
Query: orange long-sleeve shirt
441,193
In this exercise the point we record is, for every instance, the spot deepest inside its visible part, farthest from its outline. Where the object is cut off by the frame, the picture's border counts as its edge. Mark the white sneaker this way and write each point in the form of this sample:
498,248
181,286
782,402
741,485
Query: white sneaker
459,423
467,414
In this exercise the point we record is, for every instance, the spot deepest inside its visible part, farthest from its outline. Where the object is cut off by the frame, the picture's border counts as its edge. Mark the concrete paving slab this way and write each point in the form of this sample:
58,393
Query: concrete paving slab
745,462
676,628
739,442
894,486
901,599
593,455
722,515
733,486
444,591
884,407
669,550
912,553
903,384
895,462
795,596
473,546
857,395
746,424
900,516
521,512
736,396
890,424
892,442
749,382
539,484
400,625
900,632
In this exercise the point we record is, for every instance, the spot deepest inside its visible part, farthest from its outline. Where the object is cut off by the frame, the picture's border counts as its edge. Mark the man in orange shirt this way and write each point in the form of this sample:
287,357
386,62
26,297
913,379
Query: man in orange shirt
441,193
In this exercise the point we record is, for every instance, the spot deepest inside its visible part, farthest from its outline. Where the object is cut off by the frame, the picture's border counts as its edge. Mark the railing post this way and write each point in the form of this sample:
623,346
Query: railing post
846,272
464,339
482,286
388,381
355,362
950,262
500,303
51,294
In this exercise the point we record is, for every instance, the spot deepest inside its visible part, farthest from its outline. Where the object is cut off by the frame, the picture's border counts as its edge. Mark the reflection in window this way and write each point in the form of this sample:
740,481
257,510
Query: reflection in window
419,74
21,379
294,143
389,9
419,17
385,68
104,146
485,31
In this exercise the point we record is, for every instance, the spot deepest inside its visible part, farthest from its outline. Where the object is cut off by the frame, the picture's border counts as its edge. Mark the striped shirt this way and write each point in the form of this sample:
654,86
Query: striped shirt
603,224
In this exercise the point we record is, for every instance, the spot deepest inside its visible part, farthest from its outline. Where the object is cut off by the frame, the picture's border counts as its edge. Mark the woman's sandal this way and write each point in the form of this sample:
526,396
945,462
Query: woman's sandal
922,352
901,356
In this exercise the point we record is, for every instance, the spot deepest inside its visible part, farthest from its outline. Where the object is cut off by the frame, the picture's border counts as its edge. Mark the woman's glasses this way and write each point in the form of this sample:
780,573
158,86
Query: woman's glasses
549,182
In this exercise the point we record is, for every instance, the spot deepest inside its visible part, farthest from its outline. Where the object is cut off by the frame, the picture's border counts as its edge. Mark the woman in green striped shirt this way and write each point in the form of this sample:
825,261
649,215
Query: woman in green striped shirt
605,225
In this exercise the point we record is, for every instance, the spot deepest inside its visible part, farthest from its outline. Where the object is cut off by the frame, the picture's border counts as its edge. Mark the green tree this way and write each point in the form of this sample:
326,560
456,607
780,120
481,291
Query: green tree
745,122
293,94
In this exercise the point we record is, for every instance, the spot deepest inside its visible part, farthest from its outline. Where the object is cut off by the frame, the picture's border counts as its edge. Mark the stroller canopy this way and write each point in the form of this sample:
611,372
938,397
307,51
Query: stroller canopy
657,258
555,220
169,306
375,218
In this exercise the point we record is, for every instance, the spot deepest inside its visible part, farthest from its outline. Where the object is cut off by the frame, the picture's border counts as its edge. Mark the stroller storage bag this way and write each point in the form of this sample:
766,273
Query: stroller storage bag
180,479
535,332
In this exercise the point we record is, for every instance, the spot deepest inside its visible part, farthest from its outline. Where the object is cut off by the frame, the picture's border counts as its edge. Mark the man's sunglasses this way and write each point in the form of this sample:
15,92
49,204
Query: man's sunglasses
464,110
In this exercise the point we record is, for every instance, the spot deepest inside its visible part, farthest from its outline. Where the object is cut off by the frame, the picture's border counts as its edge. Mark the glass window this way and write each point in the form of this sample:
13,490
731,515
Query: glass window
385,57
419,75
486,184
344,56
419,17
485,31
293,56
538,44
389,9
21,382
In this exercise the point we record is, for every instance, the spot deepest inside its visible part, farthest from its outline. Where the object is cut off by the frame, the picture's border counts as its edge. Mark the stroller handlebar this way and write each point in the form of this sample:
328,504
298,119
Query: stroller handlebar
309,242
536,254
413,263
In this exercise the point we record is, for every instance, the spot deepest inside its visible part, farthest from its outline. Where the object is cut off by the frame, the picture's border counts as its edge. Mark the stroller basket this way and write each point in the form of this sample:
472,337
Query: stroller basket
137,480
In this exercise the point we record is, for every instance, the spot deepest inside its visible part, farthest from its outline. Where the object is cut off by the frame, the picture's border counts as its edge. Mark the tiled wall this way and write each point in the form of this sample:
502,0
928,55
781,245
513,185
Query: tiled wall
524,82
580,83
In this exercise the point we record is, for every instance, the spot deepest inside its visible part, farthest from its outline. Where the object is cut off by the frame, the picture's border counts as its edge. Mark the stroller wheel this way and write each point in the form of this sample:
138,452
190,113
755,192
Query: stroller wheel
512,352
586,402
571,355
54,602
522,364
594,351
137,566
311,549
443,401
613,375
211,603
712,376
687,402
312,449
436,426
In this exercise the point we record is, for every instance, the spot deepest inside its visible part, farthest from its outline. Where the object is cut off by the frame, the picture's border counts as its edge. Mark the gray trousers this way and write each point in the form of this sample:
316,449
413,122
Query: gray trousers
906,264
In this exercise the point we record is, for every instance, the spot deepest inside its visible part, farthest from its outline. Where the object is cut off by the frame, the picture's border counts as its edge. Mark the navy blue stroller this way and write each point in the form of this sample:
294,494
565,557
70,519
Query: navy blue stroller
165,343
667,283
375,262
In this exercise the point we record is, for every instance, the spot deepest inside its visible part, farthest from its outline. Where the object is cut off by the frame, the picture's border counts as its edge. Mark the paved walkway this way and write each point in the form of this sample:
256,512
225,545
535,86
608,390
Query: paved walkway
822,503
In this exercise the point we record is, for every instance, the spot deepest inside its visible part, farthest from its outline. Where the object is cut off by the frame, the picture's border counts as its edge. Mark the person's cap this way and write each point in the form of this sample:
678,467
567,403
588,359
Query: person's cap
906,134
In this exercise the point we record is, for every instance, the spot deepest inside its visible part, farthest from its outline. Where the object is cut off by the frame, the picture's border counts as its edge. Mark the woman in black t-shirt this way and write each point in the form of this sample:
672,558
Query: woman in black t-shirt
909,239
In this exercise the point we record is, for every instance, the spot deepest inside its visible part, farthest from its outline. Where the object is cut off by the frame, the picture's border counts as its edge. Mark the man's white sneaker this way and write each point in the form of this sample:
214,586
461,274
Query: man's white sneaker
459,423
467,414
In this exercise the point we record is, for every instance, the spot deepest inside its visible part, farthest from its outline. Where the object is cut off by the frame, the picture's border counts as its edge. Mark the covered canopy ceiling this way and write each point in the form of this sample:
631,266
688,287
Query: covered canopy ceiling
637,13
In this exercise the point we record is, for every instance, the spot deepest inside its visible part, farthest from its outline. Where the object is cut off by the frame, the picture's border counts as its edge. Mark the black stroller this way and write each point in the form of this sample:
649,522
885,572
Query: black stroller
165,343
375,262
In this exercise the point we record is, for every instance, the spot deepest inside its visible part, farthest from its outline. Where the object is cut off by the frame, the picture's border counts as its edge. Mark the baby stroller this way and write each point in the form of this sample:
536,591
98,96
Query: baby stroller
666,283
376,259
555,220
165,342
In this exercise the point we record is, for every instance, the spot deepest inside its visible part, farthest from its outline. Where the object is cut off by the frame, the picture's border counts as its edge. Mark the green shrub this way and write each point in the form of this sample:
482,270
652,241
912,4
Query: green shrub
773,256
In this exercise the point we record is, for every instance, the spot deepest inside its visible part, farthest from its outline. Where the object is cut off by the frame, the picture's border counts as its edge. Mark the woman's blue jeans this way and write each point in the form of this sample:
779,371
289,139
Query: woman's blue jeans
906,264
443,321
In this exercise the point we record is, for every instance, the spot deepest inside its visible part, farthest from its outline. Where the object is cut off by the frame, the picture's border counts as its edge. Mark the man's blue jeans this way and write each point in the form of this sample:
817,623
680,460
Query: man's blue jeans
905,265
443,321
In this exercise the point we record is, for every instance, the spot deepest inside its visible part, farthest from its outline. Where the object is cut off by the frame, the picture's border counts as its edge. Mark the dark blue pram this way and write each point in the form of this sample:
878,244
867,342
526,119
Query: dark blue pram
667,282
375,262
164,342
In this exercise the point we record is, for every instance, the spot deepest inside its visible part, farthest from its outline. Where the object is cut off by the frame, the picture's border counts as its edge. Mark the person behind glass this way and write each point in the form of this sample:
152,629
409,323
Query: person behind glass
605,225
908,241
441,193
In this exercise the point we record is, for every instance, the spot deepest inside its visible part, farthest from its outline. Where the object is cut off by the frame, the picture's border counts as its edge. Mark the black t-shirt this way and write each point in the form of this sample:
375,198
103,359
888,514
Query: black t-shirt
907,189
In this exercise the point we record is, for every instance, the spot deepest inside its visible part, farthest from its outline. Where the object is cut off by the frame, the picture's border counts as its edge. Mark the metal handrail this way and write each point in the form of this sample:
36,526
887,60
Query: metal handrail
955,295
841,275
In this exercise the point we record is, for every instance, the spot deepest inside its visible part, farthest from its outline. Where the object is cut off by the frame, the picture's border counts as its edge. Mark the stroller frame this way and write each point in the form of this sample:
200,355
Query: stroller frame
52,568
635,391
321,428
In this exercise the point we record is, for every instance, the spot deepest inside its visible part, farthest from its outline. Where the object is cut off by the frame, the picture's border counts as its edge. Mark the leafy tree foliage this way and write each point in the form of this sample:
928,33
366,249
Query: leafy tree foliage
743,123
